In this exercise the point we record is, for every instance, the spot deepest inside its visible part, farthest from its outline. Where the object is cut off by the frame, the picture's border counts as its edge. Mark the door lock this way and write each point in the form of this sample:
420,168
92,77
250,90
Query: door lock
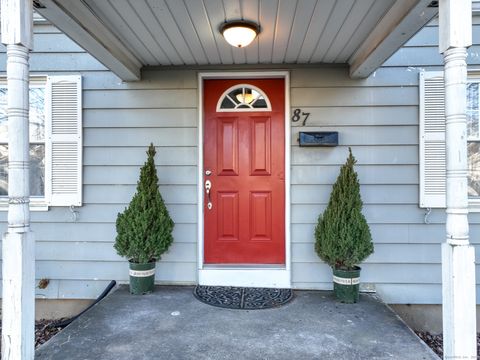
208,186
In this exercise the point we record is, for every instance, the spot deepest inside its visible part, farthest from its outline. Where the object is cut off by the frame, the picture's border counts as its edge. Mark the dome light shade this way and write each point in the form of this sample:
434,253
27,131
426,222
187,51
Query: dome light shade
239,33
246,97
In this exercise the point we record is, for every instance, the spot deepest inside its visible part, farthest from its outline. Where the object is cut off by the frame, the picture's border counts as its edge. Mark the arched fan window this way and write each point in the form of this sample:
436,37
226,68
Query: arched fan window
243,97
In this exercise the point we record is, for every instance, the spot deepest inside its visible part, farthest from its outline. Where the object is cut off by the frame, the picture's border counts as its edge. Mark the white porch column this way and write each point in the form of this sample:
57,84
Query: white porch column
18,302
458,257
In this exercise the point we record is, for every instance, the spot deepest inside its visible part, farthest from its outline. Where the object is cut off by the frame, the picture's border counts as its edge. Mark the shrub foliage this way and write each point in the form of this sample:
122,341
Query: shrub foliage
342,235
144,229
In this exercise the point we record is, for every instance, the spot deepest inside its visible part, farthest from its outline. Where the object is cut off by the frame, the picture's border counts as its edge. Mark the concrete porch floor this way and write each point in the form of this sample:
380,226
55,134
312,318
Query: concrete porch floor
172,324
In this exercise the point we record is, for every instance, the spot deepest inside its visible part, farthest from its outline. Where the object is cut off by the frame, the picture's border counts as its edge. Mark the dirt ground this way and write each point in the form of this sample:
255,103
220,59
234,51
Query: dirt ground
435,342
43,331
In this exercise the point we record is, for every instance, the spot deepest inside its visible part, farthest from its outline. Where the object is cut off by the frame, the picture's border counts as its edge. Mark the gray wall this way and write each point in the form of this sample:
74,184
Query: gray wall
377,117
119,120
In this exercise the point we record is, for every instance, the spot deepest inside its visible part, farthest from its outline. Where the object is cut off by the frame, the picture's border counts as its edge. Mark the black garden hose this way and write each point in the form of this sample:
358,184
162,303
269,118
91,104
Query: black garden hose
63,323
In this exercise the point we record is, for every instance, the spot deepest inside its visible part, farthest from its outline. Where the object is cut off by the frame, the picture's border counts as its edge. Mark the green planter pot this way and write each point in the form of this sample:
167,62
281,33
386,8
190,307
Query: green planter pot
346,285
142,278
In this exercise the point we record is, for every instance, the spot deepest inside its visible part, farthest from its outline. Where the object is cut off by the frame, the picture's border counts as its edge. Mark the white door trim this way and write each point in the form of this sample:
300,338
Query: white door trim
240,276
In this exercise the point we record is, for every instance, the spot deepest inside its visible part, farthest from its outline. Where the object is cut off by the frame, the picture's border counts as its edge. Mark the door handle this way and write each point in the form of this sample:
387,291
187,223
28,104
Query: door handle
208,186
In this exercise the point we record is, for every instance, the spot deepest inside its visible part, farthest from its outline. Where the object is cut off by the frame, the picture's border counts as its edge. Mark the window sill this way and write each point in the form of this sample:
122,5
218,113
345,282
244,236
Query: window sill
34,206
474,205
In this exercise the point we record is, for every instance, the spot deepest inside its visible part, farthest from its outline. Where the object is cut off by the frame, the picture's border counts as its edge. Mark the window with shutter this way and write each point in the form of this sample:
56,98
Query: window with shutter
55,142
473,140
432,141
64,141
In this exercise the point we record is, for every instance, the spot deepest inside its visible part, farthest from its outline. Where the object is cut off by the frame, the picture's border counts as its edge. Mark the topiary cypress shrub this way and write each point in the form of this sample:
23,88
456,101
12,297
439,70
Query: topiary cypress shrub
342,235
144,229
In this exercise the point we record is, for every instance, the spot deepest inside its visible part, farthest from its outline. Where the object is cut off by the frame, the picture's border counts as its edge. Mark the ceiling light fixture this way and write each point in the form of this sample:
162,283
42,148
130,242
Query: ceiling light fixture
239,33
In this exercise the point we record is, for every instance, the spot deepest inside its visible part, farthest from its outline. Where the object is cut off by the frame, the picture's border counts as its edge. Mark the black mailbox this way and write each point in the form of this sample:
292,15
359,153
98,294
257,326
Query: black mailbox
318,138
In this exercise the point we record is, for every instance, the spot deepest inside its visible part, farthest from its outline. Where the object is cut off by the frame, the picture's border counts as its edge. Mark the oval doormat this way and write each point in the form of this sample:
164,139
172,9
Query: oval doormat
242,297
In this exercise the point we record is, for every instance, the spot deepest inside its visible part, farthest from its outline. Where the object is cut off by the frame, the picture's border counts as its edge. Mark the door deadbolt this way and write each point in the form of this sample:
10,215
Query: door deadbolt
208,186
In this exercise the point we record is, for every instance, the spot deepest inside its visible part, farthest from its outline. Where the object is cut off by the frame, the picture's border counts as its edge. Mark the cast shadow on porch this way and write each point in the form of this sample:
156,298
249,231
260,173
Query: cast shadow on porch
172,324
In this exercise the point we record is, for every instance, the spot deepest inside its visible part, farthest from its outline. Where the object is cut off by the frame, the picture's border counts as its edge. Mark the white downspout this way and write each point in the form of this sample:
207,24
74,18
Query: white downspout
18,300
458,256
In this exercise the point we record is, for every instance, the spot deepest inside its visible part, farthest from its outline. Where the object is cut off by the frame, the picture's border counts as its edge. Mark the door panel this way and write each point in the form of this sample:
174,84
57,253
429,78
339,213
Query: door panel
245,153
261,216
227,146
228,216
260,146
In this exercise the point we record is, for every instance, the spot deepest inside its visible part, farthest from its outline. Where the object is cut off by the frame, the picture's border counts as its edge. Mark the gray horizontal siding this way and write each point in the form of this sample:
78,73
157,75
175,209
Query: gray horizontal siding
378,118
63,231
371,116
372,273
111,175
368,174
411,234
354,96
104,213
381,233
103,251
121,194
135,156
367,135
375,214
61,62
402,293
120,120
422,49
44,27
371,194
148,118
384,253
172,79
365,155
142,136
68,289
56,42
107,270
139,99
338,77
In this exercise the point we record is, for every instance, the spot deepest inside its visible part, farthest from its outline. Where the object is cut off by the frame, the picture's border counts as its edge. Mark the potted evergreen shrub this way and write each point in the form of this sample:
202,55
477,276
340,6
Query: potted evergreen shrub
342,235
144,229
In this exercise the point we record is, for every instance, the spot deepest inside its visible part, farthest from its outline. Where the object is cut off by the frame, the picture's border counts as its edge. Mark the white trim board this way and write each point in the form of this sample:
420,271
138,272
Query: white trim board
270,278
241,276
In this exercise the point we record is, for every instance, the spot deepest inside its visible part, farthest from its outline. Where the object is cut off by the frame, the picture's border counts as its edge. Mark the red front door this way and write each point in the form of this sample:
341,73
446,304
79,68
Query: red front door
244,163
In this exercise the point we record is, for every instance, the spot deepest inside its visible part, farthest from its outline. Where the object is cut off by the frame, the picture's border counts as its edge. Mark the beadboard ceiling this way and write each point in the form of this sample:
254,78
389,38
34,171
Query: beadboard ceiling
127,35
178,32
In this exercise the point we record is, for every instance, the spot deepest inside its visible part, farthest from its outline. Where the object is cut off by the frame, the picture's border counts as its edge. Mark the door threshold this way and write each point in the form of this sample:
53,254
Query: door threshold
245,276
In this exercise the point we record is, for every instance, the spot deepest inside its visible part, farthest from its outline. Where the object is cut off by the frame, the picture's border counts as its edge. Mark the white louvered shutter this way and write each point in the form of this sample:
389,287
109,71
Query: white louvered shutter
64,141
432,140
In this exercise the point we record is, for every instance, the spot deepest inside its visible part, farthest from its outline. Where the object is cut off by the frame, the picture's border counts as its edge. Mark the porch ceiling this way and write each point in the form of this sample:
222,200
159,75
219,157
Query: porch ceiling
126,35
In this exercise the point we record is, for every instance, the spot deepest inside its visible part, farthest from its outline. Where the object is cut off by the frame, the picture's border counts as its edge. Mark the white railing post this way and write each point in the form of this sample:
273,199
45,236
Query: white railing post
458,256
18,246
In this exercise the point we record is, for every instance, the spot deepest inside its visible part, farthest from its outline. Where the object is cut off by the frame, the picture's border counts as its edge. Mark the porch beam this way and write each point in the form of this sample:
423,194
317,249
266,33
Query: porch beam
18,245
458,256
79,22
399,24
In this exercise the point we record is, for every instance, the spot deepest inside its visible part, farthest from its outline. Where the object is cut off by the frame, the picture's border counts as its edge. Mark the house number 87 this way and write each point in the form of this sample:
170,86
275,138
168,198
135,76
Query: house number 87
298,114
